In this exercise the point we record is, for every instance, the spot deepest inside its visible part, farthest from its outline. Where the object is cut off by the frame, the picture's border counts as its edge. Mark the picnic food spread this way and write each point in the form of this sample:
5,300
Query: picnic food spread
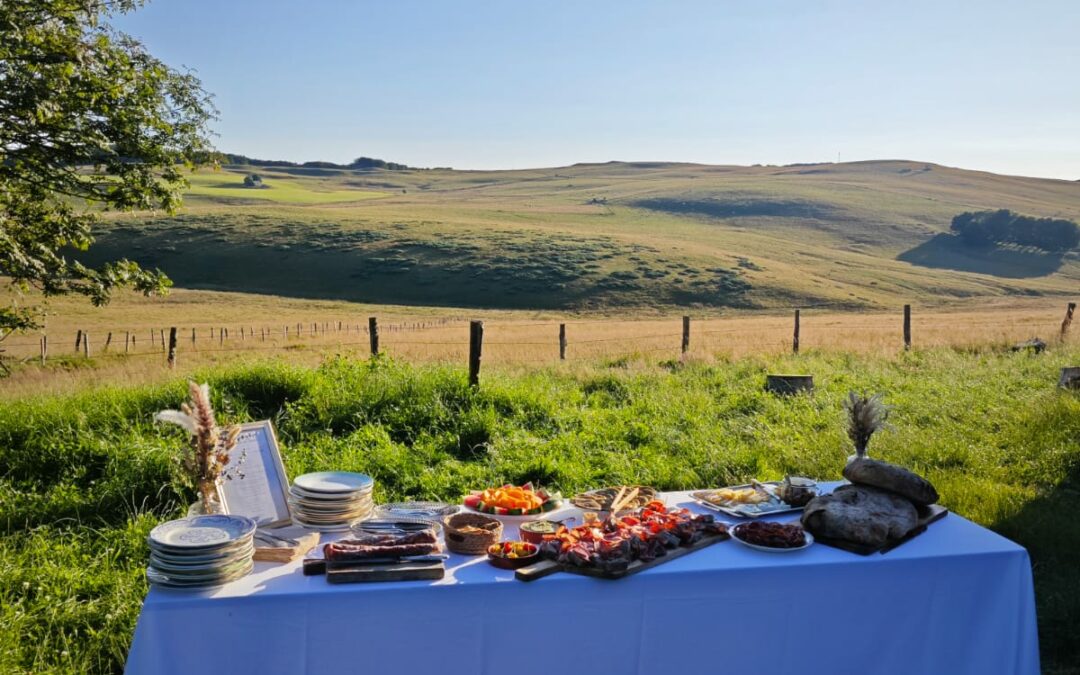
623,529
511,500
612,544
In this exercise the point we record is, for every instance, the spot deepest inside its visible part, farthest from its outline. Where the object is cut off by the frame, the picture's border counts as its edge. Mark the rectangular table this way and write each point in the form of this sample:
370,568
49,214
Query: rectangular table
957,599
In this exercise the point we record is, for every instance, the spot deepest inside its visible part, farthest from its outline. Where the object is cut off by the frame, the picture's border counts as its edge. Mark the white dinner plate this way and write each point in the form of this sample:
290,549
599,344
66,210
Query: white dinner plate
202,532
334,482
297,492
159,578
208,559
200,572
771,549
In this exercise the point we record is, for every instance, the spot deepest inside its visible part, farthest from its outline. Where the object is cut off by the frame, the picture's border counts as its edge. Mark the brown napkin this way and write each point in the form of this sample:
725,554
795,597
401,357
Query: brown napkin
272,550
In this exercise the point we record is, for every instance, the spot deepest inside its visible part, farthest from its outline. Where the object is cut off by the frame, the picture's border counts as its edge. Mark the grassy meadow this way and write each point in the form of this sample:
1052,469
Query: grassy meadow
601,237
87,475
513,338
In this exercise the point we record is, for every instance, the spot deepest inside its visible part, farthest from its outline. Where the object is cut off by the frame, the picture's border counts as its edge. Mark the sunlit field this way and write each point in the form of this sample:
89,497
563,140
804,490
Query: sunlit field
229,328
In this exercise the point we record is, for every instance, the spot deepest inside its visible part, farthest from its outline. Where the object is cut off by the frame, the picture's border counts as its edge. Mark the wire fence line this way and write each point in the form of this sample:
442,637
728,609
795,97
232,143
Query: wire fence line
565,343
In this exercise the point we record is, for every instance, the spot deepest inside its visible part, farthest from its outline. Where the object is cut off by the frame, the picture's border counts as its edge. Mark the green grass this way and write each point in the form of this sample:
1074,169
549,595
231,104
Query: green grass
229,186
599,236
86,476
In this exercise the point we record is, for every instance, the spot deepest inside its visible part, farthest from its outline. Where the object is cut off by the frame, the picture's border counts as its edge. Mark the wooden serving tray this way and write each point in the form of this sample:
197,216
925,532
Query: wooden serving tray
927,515
547,567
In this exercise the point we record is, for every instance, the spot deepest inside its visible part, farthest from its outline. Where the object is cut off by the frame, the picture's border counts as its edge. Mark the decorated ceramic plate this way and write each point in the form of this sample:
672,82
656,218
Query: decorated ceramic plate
433,511
173,558
202,532
160,578
334,482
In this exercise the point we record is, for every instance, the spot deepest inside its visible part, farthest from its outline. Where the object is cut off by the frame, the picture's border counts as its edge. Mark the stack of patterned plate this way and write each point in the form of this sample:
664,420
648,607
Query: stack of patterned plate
201,551
330,501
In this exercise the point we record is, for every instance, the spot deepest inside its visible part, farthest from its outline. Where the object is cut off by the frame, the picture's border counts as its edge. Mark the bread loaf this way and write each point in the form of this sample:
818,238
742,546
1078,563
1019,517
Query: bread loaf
892,478
860,514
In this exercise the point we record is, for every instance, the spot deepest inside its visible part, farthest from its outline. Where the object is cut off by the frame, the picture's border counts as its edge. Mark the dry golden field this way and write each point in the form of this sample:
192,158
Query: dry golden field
255,329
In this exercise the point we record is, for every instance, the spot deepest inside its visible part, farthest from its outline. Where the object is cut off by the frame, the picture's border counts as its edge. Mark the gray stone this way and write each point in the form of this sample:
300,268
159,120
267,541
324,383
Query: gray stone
860,514
892,478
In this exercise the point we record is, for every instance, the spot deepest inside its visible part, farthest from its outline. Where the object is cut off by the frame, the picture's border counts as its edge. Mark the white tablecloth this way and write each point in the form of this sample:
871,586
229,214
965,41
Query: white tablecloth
957,599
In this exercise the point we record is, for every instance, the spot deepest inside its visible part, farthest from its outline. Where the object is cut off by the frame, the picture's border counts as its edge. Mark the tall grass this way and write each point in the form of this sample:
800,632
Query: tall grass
86,476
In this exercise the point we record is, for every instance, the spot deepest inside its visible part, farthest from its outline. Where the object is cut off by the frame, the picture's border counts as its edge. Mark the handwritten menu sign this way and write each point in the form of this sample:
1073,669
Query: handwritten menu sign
262,494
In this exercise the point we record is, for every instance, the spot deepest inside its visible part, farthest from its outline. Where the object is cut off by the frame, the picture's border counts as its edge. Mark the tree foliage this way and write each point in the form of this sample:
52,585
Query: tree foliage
89,122
983,228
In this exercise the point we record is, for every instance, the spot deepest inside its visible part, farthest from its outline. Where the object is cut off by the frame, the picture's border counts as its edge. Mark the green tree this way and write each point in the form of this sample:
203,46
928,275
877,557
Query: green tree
89,122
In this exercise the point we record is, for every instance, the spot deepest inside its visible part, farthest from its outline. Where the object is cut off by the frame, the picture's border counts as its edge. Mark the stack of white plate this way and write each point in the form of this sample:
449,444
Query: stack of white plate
330,501
201,551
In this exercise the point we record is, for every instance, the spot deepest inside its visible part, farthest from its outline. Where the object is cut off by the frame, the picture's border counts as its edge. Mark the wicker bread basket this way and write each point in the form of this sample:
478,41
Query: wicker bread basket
471,533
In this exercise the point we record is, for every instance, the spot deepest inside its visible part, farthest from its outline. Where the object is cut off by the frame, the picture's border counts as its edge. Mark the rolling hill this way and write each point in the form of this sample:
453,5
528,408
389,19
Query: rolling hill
601,236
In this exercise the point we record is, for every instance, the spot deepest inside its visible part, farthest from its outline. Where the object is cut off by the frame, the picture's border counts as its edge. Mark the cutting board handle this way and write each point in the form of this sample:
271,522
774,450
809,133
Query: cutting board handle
537,570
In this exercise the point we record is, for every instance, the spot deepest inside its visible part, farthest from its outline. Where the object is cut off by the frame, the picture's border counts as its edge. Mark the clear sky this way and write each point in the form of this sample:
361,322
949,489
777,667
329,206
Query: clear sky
981,84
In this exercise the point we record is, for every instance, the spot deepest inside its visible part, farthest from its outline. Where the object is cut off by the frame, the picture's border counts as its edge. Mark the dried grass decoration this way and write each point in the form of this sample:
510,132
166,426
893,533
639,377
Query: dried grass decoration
865,415
206,464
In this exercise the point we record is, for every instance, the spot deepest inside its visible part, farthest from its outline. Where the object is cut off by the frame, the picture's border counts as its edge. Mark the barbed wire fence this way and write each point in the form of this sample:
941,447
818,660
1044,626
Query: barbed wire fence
170,343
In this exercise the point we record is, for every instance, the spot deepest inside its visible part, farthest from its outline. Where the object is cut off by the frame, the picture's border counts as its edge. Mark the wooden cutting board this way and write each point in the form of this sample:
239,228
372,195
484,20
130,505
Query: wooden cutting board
343,573
547,567
930,514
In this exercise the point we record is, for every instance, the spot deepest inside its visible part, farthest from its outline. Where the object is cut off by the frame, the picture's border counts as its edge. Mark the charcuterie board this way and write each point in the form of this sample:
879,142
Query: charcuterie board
548,567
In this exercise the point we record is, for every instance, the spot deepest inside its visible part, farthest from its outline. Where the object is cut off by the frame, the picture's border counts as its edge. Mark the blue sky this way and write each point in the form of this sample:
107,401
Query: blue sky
512,84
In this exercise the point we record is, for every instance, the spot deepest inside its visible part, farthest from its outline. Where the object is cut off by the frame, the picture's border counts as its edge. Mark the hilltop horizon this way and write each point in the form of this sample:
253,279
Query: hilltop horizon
320,163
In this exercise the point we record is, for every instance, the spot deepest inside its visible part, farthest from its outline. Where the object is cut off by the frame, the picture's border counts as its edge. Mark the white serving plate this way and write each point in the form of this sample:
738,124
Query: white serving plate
334,482
204,533
771,549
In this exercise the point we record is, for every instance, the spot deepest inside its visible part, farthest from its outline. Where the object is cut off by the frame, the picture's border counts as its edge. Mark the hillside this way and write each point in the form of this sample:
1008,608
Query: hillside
601,236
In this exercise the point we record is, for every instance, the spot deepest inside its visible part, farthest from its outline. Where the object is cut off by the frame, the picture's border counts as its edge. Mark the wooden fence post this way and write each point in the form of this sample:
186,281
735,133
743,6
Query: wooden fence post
1068,319
795,339
221,336
373,335
562,341
108,341
162,335
78,340
86,345
476,342
907,326
44,348
685,334
172,348
192,336
242,336
127,341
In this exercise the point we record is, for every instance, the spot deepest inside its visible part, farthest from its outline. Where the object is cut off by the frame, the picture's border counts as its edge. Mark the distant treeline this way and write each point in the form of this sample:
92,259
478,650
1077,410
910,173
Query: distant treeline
359,163
984,228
